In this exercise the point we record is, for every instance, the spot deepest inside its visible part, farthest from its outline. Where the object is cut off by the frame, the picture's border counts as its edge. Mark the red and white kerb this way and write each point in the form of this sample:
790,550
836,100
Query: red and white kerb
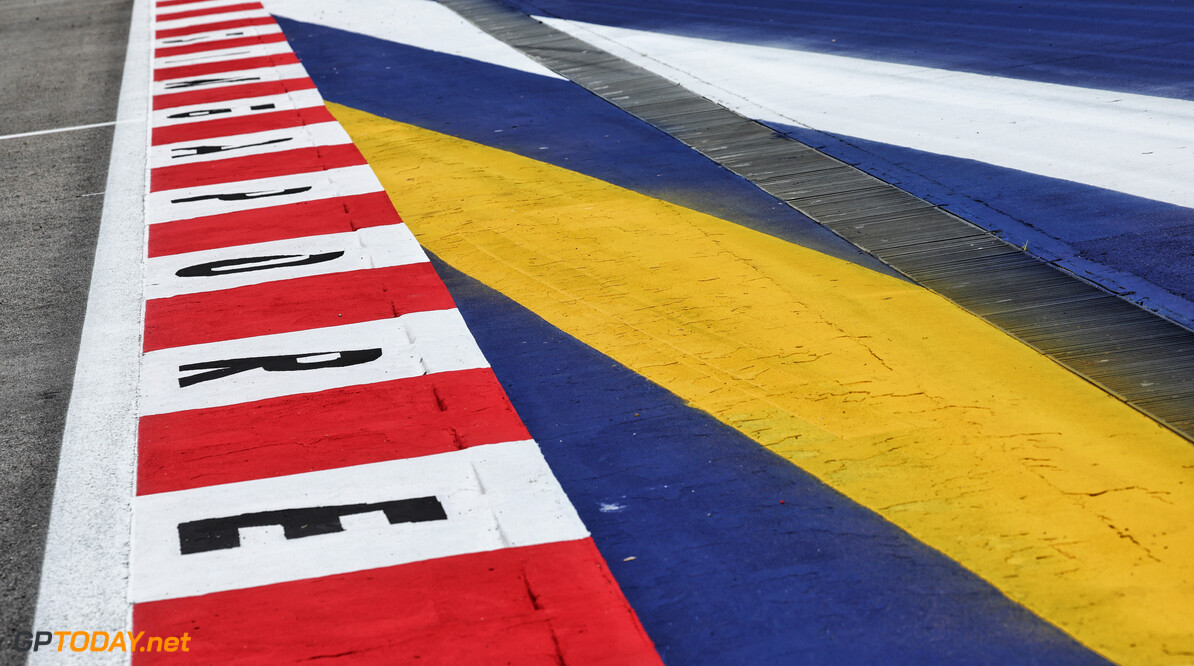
327,466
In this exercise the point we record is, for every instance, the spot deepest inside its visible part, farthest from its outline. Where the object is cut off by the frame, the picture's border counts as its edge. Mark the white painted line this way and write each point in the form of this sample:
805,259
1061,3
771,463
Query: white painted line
1135,144
241,265
254,143
494,496
225,79
57,130
197,113
221,55
209,18
418,23
191,202
217,35
85,572
414,344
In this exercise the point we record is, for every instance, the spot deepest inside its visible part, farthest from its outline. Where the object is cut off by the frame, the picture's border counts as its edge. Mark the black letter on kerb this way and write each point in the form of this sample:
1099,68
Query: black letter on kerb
288,363
195,83
227,35
207,150
43,638
201,536
243,196
22,645
199,113
212,268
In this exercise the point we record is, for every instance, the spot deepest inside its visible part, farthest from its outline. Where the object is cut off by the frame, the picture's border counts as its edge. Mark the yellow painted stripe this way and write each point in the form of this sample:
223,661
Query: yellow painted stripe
1072,503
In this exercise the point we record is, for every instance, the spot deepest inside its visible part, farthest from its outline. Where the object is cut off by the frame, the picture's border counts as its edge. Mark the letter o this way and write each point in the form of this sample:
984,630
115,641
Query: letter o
86,641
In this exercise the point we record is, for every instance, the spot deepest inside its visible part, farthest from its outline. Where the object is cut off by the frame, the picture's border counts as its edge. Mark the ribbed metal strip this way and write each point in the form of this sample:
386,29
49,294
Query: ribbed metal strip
1140,357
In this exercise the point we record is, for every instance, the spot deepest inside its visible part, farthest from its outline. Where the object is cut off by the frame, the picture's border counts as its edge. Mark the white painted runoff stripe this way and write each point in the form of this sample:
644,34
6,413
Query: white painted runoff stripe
414,344
241,265
254,143
418,23
1135,144
238,108
84,581
221,55
494,496
191,202
210,18
218,35
225,79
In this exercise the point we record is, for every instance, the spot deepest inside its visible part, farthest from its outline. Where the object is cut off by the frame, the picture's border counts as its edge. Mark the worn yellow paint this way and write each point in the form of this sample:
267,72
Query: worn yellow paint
1072,503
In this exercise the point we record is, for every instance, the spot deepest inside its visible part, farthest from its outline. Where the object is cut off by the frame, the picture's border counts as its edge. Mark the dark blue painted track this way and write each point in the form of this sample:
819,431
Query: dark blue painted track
547,119
1142,47
738,556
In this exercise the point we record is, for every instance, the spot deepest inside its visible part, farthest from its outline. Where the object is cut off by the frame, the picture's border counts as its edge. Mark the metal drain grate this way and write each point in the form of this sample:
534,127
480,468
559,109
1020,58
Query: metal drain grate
1145,360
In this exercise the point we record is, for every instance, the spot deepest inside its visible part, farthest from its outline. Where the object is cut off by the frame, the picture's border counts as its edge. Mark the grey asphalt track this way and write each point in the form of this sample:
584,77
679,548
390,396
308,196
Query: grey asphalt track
60,67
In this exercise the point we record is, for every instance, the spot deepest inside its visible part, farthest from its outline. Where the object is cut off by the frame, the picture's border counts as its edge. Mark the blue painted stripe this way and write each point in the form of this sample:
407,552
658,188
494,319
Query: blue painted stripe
551,120
1087,229
729,554
1139,47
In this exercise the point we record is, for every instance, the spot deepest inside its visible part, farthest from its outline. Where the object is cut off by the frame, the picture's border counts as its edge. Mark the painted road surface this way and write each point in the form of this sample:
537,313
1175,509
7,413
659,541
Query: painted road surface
405,349
1066,131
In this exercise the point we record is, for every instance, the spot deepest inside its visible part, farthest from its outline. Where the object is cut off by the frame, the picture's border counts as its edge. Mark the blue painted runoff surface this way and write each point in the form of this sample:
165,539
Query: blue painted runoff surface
544,118
728,553
1126,243
1141,46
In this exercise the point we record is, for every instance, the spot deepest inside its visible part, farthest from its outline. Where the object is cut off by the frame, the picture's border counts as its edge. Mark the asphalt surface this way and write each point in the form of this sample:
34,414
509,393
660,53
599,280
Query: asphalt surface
62,68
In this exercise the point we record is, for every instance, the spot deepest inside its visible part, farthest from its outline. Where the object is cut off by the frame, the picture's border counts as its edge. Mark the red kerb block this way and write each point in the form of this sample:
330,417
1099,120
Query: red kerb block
353,425
307,218
299,304
542,605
